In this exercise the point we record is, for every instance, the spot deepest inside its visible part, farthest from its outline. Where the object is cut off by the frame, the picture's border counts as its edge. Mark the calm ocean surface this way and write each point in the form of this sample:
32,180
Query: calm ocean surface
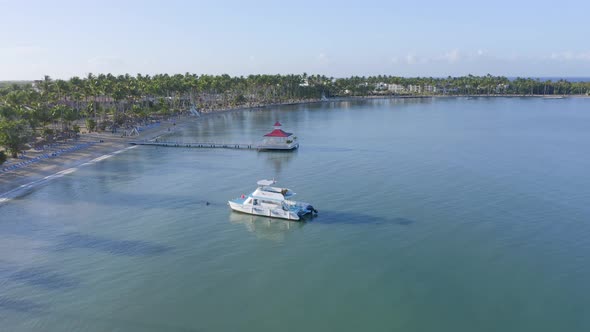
447,214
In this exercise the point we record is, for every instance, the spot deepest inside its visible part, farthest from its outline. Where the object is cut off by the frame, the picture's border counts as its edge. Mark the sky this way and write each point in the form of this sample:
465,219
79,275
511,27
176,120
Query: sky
334,38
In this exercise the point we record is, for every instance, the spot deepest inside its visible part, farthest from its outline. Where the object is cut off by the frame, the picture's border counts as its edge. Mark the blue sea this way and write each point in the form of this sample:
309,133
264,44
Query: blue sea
436,214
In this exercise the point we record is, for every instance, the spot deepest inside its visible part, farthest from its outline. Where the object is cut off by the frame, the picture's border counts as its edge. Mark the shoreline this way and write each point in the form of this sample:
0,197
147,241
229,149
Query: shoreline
96,147
353,98
18,182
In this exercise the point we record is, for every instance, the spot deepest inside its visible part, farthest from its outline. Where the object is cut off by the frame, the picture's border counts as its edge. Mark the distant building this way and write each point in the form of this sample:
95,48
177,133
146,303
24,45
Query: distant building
396,88
430,88
415,88
381,86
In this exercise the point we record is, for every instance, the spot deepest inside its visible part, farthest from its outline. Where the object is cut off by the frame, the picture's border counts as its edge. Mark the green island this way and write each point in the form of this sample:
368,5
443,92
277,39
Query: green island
48,110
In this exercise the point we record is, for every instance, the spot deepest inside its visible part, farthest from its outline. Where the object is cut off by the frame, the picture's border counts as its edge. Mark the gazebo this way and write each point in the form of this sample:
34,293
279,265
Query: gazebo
278,139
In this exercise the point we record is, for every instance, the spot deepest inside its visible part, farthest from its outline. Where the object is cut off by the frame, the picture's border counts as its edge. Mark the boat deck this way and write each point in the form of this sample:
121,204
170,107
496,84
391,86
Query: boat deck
239,200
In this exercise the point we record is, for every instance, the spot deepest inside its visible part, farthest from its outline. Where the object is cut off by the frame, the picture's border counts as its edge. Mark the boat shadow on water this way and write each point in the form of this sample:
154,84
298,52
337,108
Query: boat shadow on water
276,229
355,218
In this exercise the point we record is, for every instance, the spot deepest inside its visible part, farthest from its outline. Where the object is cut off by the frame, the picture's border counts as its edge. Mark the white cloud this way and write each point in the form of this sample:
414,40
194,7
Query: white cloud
570,56
452,56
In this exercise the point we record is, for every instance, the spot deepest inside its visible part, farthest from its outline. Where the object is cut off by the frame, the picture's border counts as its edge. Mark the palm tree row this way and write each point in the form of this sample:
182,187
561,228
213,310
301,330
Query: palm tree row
49,108
464,85
54,108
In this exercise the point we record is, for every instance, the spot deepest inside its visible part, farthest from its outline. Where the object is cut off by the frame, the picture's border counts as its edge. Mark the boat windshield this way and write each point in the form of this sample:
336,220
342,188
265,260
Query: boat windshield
282,191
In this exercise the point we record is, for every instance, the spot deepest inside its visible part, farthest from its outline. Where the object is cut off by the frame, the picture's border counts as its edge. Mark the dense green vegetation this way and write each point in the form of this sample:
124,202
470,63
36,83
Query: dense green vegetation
51,109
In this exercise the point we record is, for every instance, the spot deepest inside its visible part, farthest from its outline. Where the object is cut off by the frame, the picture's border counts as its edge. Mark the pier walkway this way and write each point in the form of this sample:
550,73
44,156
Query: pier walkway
204,145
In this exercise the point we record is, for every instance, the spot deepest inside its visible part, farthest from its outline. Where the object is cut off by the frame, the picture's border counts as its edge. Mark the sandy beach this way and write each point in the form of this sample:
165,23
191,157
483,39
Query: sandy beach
34,168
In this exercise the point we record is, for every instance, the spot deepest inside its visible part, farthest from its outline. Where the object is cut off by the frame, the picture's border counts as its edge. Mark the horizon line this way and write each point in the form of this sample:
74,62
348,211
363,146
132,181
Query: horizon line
334,77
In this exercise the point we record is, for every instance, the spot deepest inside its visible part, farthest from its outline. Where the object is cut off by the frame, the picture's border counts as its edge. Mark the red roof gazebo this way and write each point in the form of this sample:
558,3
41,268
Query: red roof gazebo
278,139
278,132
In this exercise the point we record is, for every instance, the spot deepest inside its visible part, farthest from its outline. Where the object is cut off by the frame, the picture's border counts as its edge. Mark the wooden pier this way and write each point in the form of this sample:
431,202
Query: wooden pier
204,145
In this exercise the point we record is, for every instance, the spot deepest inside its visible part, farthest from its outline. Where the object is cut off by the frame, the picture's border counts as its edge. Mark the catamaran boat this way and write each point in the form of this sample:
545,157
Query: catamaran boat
273,202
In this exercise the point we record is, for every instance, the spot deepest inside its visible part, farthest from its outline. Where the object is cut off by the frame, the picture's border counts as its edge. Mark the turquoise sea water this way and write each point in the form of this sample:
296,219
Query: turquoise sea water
446,214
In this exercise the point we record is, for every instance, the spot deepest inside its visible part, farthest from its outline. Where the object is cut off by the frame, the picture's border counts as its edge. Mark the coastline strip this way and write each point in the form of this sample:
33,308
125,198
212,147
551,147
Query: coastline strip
27,187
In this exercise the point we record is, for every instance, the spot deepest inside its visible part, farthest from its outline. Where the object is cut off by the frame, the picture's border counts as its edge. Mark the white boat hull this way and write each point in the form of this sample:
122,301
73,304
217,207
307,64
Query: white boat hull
263,211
